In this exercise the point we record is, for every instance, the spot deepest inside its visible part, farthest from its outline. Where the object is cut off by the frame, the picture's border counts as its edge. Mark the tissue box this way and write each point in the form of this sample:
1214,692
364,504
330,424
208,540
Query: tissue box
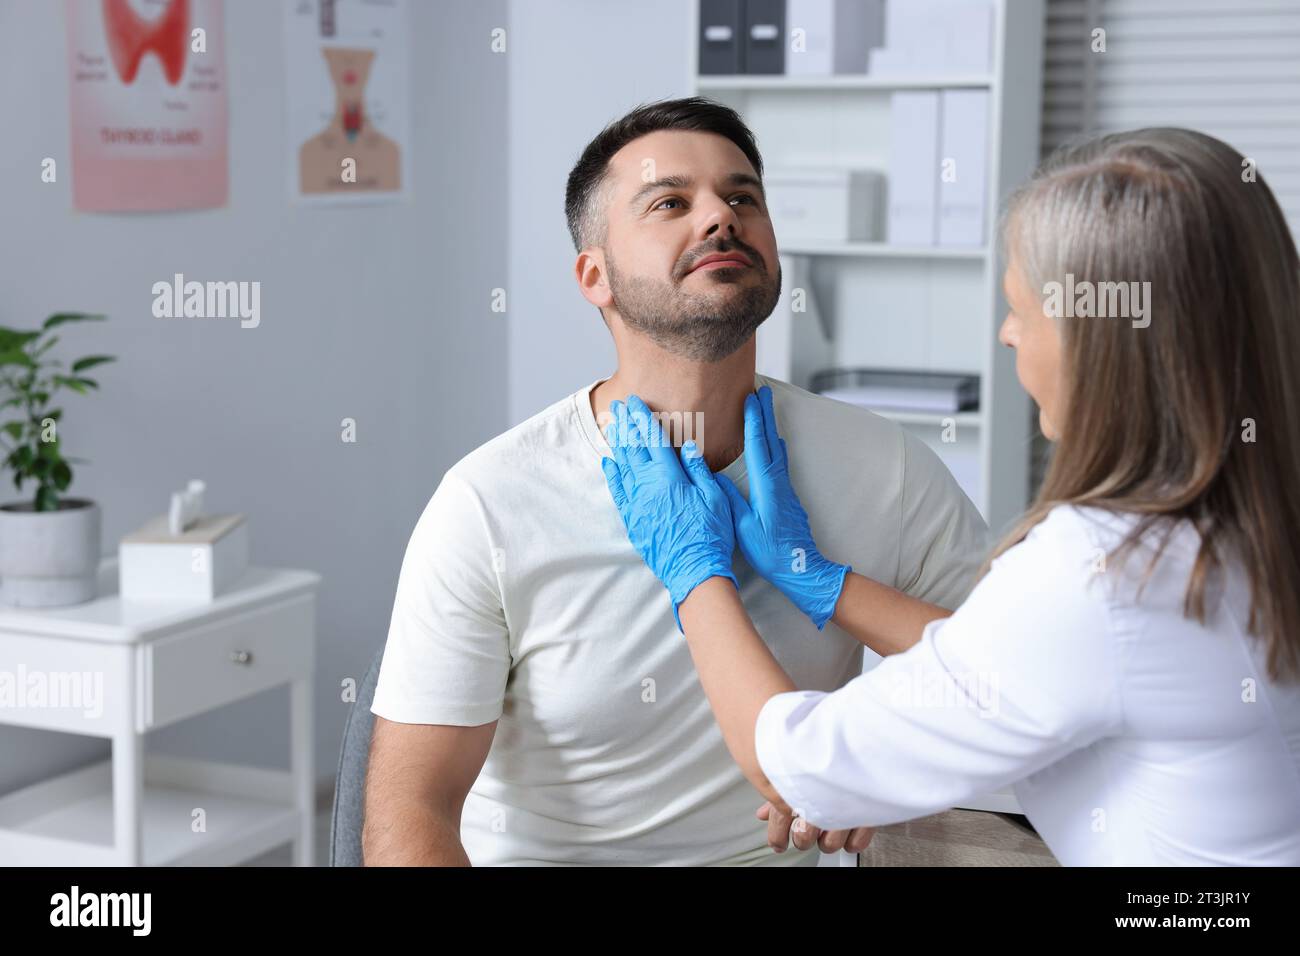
202,562
824,204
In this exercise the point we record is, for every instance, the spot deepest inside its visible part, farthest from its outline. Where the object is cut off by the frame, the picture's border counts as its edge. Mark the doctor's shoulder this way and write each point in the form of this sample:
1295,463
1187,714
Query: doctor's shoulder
1066,550
1101,551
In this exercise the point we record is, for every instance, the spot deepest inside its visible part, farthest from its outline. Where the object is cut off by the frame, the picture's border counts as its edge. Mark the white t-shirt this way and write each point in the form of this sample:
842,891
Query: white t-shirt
1137,736
521,600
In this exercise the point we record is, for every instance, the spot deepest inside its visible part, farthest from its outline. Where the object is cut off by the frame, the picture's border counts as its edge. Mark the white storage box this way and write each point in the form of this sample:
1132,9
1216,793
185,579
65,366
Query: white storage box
935,36
196,565
914,168
963,138
824,204
836,35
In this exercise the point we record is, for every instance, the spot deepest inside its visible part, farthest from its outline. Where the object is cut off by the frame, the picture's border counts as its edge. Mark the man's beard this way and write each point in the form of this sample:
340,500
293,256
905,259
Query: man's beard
698,326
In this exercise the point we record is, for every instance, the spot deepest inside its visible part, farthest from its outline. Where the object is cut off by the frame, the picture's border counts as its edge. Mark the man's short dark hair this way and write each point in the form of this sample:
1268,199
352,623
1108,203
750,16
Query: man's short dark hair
583,197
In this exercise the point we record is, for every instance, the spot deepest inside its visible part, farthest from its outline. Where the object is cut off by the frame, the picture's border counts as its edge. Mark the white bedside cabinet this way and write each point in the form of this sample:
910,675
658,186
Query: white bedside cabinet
115,669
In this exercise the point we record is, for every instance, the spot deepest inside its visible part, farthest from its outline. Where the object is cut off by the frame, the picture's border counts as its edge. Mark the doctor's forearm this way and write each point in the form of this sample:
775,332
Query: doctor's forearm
737,671
883,618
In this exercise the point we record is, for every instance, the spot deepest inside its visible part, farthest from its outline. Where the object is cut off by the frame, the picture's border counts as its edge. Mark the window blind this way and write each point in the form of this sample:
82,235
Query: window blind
1230,68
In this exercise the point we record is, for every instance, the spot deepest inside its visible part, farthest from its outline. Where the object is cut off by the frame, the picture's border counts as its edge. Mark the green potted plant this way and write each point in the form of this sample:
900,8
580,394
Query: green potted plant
49,544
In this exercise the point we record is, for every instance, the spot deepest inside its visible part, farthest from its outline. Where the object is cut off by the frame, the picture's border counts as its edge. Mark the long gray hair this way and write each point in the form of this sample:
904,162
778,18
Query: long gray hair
1196,414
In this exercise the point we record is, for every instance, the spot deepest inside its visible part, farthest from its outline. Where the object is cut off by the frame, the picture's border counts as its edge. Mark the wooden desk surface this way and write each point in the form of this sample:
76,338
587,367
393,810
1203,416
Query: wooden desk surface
958,838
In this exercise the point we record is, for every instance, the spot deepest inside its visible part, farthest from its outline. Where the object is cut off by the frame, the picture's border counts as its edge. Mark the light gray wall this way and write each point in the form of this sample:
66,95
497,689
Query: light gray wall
378,313
574,66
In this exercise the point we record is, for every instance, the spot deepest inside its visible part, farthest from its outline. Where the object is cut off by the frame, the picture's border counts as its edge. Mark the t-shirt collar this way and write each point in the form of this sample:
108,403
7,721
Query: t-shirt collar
596,438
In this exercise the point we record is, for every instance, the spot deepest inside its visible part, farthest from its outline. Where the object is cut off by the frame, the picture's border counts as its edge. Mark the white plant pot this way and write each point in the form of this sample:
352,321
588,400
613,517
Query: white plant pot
49,558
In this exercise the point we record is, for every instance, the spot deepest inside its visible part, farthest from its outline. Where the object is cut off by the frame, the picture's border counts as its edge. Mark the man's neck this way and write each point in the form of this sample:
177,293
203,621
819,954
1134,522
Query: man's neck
708,396
348,116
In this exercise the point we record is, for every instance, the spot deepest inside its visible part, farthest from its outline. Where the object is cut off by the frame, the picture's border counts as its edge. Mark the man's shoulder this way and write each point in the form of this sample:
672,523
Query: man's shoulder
531,444
798,404
852,428
826,426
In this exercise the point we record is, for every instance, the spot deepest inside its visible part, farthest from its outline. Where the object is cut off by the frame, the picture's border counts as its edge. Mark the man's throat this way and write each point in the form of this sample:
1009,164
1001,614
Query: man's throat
352,115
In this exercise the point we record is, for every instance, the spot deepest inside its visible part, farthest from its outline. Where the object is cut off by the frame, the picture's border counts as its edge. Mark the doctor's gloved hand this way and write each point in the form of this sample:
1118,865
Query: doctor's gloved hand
676,515
772,527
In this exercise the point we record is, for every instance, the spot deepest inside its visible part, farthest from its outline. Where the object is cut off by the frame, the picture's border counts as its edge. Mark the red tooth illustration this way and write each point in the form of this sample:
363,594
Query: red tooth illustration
130,37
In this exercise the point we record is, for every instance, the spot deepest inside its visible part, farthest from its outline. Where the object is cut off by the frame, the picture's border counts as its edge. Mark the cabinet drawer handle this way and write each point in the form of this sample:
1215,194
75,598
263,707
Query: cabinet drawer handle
241,657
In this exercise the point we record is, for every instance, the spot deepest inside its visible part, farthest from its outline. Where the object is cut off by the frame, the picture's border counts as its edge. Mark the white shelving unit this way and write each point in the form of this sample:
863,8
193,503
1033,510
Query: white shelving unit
931,308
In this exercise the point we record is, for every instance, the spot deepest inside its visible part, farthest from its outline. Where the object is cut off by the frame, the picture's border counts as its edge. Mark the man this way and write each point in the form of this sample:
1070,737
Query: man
536,703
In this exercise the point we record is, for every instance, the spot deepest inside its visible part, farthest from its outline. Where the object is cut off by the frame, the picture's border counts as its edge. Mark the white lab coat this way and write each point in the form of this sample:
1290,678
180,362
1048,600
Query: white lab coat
1134,735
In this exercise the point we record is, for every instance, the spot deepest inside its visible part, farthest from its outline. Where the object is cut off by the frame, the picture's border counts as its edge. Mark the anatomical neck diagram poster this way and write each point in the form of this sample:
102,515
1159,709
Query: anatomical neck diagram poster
348,94
148,107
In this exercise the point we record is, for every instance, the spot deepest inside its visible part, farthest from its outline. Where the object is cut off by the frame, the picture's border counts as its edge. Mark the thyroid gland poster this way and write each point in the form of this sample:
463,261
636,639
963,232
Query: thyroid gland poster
348,93
148,104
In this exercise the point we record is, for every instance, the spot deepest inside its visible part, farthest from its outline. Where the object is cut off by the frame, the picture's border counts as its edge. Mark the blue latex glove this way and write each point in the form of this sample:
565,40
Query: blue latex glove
772,526
677,518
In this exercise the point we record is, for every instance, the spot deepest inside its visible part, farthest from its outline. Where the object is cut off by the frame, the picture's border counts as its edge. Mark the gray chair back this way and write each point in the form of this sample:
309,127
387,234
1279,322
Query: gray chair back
350,781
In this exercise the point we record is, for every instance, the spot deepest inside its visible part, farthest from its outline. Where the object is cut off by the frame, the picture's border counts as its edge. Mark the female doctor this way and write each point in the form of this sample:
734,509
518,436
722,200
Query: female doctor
1129,657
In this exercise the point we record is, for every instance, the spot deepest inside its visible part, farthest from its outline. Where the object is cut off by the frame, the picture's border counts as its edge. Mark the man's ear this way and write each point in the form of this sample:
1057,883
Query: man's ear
590,273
